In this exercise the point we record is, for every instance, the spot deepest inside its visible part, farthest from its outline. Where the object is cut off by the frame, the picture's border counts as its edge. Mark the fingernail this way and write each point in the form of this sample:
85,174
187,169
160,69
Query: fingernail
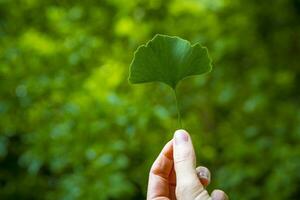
220,196
203,174
180,137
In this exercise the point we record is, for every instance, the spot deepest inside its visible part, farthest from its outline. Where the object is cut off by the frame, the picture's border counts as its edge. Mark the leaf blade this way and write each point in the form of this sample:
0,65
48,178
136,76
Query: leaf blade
168,59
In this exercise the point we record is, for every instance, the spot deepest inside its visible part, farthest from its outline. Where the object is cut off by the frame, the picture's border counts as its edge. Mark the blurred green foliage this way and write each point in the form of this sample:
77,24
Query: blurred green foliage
73,128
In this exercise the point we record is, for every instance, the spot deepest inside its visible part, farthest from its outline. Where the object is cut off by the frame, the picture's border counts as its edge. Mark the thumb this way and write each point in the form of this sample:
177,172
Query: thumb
187,181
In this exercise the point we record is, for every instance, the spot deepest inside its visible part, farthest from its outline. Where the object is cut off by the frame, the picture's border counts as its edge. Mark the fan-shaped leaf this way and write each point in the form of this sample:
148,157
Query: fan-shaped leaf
168,59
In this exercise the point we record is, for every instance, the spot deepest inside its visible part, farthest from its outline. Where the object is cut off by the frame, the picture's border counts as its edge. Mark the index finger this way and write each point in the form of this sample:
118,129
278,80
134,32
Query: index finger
158,185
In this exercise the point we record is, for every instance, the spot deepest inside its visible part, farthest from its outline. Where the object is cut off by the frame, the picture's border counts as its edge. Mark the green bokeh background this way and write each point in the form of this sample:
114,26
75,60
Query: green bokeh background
71,127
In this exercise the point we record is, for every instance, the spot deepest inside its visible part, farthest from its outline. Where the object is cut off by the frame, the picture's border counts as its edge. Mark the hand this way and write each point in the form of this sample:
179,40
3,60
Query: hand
173,175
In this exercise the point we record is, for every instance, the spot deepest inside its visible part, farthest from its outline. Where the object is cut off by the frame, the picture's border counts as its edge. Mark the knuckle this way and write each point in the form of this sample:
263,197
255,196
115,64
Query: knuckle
183,156
154,168
186,188
181,191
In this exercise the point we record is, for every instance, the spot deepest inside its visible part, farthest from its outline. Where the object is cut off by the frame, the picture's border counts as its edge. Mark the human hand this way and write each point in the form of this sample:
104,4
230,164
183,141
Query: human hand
174,175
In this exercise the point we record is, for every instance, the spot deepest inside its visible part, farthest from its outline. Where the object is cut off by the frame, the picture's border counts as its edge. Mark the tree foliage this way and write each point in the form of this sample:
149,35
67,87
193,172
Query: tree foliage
72,127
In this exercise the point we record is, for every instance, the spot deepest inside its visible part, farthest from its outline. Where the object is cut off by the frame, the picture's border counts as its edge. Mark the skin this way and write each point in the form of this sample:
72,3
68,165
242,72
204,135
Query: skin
174,175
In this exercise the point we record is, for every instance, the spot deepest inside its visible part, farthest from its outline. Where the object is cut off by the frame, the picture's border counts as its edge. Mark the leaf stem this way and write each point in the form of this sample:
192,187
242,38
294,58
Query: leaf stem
178,110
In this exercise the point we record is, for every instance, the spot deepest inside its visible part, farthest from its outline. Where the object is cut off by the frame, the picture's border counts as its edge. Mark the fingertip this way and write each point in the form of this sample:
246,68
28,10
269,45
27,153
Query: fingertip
180,131
181,136
204,175
219,195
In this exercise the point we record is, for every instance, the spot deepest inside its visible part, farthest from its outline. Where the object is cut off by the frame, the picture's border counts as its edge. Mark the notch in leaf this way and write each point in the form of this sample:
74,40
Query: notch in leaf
168,59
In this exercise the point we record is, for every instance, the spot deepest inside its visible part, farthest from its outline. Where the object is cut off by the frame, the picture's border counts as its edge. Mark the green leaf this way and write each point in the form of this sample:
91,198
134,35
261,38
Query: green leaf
168,59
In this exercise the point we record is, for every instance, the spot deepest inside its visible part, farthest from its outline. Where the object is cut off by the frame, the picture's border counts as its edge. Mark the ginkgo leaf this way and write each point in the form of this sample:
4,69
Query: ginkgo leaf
168,59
